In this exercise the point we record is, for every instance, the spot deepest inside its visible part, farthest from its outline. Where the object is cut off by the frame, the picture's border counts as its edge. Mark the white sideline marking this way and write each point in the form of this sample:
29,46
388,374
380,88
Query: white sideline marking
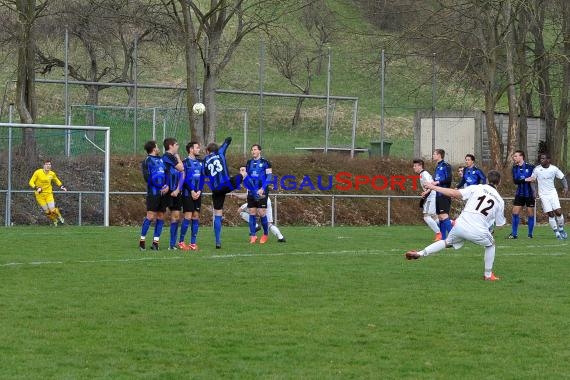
449,252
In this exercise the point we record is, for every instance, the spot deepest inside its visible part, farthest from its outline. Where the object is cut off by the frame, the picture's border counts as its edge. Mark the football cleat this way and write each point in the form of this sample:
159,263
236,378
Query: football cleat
252,239
154,246
263,239
282,240
183,246
412,255
530,236
492,277
193,247
173,248
563,235
511,236
142,245
61,220
218,245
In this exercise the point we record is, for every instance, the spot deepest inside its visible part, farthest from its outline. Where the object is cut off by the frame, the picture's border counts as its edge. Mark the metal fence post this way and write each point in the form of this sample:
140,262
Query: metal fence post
389,211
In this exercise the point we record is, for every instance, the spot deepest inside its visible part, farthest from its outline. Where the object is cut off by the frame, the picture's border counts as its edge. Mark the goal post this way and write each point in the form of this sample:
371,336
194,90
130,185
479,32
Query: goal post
82,152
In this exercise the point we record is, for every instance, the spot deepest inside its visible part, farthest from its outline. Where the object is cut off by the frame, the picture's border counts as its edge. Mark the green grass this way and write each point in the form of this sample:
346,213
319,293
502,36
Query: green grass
330,303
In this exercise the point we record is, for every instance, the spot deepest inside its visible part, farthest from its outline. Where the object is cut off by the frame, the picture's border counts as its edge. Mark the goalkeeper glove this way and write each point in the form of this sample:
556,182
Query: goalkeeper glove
39,189
63,188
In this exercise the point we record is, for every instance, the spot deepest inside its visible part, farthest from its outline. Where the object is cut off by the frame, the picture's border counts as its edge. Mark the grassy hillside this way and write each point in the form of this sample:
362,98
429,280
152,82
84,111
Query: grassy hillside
354,72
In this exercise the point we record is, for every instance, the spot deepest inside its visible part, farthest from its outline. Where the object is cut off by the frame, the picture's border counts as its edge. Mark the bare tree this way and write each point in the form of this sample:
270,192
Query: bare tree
106,31
211,34
296,63
27,13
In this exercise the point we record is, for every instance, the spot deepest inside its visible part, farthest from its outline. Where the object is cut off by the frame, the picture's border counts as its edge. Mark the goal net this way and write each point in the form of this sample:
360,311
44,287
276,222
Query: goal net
80,157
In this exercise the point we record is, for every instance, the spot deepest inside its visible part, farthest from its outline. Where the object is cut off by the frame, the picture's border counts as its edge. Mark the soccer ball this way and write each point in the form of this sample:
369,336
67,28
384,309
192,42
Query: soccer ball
198,108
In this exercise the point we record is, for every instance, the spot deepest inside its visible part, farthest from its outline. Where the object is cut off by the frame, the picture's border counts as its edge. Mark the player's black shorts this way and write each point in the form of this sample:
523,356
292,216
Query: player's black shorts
442,204
156,202
174,203
524,201
257,202
219,195
191,205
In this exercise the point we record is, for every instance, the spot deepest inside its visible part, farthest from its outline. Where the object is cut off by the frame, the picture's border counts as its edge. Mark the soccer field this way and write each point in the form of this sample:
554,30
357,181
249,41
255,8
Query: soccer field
83,302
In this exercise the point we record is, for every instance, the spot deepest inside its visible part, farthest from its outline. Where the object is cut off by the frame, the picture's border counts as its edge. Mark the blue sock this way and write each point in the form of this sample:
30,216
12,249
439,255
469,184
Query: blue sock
195,225
530,225
252,223
184,229
445,227
265,225
158,228
218,228
173,233
514,229
145,226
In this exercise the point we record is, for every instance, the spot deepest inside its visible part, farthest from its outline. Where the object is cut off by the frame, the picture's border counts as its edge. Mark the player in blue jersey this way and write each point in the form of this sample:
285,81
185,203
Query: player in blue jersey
524,195
175,181
259,174
442,178
154,174
191,195
218,176
472,175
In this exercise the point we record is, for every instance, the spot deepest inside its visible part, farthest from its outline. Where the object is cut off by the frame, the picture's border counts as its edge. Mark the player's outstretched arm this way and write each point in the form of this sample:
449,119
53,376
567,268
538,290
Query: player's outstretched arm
445,191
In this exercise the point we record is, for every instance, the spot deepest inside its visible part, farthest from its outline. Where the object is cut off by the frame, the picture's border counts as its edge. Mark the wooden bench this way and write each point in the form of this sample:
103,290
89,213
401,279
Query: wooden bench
333,150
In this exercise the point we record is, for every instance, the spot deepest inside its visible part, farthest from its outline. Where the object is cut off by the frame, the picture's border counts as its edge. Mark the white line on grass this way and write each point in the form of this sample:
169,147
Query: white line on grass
448,252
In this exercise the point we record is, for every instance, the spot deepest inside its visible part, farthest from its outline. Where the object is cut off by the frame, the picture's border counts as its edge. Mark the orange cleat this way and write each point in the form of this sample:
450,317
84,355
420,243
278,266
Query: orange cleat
412,255
193,247
263,239
252,239
183,246
437,237
492,277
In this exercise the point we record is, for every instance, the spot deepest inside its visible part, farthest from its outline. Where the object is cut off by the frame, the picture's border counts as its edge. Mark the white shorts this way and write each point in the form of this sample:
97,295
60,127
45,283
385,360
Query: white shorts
461,232
429,206
550,202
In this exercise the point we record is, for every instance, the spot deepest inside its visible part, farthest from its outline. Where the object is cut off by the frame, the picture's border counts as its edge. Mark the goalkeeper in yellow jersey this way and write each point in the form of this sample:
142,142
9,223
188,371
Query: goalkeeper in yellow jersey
41,182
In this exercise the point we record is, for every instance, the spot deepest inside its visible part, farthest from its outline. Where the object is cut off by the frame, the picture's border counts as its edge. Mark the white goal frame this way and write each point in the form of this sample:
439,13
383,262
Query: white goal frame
107,159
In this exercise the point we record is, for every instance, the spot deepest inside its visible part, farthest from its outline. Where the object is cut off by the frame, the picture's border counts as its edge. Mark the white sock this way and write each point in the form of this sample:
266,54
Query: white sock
275,231
489,260
244,215
553,225
433,248
560,221
431,223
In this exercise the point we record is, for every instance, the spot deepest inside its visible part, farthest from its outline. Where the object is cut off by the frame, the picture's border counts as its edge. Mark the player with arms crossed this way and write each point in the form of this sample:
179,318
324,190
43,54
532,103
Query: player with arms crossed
154,174
41,182
471,174
427,203
175,182
192,195
524,195
257,181
484,209
443,176
220,182
544,175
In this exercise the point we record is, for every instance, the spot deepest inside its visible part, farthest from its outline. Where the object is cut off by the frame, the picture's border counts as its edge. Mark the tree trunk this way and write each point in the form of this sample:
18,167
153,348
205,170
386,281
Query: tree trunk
297,116
542,64
210,116
561,127
525,95
191,52
25,82
513,131
93,101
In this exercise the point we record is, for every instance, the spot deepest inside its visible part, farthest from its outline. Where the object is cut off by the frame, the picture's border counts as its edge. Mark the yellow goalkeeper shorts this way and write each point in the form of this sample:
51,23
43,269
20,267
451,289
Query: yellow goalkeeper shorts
44,199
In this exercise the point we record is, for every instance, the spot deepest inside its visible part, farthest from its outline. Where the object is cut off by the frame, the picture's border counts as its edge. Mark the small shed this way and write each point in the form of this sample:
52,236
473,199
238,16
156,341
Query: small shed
460,133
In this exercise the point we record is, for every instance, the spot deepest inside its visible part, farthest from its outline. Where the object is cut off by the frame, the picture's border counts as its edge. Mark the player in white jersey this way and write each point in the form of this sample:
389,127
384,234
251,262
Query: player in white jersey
484,209
544,176
244,214
427,203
